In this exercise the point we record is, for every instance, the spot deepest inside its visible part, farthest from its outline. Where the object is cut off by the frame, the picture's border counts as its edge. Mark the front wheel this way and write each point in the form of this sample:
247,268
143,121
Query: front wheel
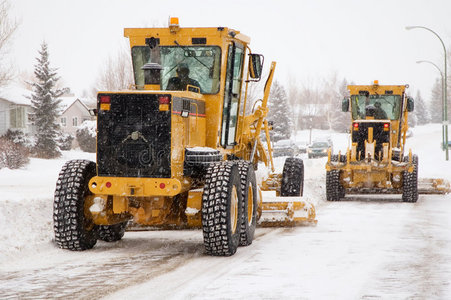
292,178
222,209
112,233
74,230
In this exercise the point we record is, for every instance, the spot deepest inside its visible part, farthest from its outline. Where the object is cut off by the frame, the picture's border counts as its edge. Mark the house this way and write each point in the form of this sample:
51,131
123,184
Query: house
74,112
15,109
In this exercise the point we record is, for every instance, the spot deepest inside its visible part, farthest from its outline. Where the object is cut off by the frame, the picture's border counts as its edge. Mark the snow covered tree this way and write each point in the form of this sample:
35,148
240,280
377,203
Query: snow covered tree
421,110
436,105
279,113
45,109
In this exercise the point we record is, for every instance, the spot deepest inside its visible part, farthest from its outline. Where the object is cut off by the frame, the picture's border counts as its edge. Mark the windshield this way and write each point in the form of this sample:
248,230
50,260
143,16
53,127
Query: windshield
202,62
320,145
387,106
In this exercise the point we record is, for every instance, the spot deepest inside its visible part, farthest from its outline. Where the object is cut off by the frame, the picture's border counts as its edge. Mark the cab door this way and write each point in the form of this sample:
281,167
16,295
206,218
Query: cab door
232,94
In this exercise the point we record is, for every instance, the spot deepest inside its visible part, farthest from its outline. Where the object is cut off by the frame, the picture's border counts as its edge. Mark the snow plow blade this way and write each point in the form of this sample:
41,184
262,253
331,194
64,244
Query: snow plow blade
287,212
433,186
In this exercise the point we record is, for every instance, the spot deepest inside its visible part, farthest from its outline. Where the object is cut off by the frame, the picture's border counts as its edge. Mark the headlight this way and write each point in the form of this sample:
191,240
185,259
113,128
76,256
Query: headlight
324,150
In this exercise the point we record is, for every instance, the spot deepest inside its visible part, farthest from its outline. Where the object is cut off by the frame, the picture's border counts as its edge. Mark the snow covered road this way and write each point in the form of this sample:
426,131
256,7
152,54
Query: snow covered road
360,249
364,247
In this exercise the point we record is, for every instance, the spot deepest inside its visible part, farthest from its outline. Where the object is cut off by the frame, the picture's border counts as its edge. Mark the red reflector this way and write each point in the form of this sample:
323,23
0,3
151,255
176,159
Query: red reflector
356,125
105,99
164,99
162,185
108,184
386,125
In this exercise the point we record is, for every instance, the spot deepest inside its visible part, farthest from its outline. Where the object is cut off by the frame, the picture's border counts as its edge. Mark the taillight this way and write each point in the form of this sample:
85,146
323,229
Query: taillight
105,102
105,99
386,126
355,126
164,101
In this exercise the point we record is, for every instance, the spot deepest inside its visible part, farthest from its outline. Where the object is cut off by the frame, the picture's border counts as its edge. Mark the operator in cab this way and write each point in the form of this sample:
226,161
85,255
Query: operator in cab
182,80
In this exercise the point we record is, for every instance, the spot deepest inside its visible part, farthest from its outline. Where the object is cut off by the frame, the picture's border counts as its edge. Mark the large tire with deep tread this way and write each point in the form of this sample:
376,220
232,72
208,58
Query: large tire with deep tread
334,189
222,209
292,178
72,229
112,233
410,182
249,202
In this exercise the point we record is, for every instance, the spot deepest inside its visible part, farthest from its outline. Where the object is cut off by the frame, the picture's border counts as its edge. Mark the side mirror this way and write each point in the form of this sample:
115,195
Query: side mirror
255,65
410,104
345,105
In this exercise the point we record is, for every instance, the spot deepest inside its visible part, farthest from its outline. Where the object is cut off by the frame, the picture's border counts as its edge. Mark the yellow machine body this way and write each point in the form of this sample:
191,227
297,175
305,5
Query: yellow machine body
196,121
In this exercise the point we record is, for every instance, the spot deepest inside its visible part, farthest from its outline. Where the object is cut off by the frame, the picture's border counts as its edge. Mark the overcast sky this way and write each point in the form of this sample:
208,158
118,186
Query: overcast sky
359,40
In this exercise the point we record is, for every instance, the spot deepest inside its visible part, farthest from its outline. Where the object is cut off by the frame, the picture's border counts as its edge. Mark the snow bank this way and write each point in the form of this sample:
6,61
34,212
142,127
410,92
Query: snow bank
26,204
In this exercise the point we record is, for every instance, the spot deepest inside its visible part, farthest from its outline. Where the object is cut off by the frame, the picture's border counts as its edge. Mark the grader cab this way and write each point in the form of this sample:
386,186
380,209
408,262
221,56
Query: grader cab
177,149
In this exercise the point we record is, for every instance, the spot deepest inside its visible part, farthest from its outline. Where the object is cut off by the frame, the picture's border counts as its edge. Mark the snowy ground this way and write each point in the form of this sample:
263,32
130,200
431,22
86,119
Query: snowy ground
365,247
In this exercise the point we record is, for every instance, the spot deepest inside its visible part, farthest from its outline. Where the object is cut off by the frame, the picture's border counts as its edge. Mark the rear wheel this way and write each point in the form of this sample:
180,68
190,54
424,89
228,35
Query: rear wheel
410,182
249,203
112,233
222,209
74,230
292,177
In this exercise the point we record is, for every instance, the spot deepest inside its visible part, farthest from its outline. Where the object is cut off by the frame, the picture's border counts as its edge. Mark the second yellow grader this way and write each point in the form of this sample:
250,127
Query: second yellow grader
377,161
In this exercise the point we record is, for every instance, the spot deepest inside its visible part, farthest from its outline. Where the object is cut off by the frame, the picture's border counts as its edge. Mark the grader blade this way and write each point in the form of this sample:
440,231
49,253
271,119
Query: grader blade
433,186
286,212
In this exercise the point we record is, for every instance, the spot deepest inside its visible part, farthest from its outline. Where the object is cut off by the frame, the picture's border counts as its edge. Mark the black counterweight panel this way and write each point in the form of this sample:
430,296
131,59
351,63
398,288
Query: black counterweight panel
134,137
379,135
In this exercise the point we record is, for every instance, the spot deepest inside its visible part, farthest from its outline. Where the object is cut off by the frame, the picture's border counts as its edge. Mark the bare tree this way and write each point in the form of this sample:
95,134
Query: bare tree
116,74
7,29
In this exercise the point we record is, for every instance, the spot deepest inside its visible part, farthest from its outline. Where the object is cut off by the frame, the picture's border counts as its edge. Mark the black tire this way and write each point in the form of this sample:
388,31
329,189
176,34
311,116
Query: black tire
72,229
249,203
334,190
410,182
334,157
292,178
112,233
222,209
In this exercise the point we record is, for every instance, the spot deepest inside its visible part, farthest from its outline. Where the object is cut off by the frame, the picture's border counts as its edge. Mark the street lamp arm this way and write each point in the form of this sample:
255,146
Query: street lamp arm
445,98
430,62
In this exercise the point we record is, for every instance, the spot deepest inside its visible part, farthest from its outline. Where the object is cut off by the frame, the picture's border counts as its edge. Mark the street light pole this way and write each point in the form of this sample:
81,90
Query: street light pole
445,104
443,89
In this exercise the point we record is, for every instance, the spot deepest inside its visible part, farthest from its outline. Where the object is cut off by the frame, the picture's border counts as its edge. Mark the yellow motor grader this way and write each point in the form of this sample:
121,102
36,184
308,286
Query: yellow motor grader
377,161
177,150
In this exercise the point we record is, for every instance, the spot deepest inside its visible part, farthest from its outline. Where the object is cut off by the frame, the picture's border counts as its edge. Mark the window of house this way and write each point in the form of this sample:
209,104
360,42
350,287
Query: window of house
74,121
63,121
17,117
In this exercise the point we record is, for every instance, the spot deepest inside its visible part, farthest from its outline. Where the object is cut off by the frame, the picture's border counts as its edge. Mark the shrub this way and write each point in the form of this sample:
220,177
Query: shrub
13,155
86,136
65,141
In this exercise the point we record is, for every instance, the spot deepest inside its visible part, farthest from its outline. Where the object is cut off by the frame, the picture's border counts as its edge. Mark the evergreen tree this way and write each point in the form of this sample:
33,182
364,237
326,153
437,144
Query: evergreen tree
436,105
45,107
421,110
280,113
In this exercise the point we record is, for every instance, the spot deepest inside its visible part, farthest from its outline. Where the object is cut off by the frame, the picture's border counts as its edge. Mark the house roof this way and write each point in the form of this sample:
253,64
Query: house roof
16,94
68,101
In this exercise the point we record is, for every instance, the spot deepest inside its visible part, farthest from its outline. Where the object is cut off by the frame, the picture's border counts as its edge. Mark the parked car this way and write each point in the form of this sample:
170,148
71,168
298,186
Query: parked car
318,149
285,148
302,146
